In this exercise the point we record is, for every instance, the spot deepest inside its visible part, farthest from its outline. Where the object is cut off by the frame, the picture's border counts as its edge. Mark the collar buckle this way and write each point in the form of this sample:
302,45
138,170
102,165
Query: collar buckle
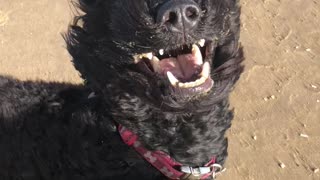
199,171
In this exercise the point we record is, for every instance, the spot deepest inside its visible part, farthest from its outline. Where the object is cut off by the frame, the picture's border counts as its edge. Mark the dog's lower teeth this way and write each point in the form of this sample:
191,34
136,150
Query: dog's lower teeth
204,76
193,84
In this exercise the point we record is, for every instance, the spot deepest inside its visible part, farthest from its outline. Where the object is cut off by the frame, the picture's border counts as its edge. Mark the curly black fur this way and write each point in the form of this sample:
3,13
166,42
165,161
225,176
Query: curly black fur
54,131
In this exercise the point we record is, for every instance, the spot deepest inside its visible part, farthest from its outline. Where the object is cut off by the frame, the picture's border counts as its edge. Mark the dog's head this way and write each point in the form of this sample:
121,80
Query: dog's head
157,60
162,50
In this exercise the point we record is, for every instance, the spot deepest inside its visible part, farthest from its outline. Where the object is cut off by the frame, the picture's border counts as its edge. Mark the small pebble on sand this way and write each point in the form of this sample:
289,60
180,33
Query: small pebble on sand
269,98
254,137
314,86
282,165
308,50
304,135
316,170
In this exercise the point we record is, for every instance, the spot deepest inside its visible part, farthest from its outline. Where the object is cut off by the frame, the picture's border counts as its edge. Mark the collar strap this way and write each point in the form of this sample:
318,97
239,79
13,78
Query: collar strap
164,163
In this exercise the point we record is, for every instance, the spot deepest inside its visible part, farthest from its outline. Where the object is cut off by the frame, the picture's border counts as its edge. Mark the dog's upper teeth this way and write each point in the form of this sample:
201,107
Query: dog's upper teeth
161,52
197,54
202,42
139,57
136,59
148,55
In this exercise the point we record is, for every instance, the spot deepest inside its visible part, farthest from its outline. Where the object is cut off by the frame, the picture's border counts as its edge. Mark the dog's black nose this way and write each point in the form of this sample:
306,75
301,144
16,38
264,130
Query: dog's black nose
179,15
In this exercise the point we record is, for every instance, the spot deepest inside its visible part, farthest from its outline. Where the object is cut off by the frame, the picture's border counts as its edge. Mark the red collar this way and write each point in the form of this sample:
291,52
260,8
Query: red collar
163,162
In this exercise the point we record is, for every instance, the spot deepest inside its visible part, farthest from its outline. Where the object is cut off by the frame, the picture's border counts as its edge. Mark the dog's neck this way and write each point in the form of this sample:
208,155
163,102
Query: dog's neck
190,138
164,163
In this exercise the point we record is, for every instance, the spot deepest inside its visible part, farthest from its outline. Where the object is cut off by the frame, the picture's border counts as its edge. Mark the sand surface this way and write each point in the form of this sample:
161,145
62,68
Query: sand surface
277,100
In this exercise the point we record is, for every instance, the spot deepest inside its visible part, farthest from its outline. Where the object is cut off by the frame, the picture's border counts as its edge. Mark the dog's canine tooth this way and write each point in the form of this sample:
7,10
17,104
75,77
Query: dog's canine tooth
173,80
161,52
197,54
155,64
205,70
201,42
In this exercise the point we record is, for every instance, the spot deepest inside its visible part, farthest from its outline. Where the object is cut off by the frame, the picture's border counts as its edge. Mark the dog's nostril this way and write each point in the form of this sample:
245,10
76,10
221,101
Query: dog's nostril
191,13
172,18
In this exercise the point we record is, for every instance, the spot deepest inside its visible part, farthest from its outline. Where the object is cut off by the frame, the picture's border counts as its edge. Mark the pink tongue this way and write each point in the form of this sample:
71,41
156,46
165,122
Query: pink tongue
183,67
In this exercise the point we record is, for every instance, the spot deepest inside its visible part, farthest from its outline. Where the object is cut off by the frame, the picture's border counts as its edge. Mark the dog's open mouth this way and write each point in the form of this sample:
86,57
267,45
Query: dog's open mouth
187,68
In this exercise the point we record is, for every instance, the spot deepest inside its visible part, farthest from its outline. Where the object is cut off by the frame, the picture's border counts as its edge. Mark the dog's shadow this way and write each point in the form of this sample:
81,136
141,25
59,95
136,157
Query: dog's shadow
49,125
20,97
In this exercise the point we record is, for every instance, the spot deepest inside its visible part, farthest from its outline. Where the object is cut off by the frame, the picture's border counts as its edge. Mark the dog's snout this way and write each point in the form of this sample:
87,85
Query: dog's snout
179,15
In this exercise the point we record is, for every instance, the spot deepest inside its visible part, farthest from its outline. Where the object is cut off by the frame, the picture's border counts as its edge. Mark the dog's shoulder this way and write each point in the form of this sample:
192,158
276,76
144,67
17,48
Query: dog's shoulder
18,98
62,128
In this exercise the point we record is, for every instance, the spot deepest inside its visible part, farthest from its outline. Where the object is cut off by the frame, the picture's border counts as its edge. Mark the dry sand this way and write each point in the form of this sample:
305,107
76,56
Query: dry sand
276,131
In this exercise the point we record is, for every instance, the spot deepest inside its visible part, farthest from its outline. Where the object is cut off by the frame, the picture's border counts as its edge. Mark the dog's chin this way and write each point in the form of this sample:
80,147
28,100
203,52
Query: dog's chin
185,69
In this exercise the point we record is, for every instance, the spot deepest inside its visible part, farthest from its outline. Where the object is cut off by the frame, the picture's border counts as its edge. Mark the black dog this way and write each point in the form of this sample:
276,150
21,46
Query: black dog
157,73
